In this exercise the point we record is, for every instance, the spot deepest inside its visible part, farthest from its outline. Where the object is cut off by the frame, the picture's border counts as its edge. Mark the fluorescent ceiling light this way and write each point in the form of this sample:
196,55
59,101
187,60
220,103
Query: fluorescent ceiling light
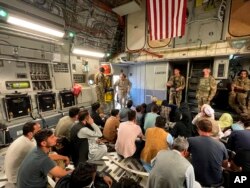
79,51
34,26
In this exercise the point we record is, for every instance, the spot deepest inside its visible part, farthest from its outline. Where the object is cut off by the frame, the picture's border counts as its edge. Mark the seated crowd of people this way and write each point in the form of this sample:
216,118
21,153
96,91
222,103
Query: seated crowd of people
173,147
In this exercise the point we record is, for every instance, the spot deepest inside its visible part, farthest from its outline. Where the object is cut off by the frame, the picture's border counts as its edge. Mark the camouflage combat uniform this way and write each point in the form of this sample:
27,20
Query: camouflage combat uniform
237,98
176,96
206,90
123,89
100,87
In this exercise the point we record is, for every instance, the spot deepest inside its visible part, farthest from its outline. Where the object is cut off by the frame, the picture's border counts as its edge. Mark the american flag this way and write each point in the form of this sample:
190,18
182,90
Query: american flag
166,18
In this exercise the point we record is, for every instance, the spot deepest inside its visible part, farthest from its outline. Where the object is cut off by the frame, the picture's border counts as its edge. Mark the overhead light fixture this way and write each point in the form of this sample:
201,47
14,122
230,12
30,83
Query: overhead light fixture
71,34
34,26
83,52
231,56
3,13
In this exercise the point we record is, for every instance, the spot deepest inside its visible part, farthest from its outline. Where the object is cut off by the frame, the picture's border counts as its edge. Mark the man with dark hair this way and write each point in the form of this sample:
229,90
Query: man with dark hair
65,123
208,155
80,146
37,164
138,114
183,127
100,85
151,117
18,150
84,175
126,182
95,114
171,168
238,95
84,140
124,111
156,139
128,132
111,126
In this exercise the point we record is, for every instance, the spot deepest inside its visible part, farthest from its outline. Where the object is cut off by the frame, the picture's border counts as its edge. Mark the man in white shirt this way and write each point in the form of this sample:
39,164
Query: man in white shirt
18,150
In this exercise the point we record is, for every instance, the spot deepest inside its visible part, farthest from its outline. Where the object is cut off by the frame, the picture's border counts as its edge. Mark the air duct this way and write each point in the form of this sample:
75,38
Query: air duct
128,8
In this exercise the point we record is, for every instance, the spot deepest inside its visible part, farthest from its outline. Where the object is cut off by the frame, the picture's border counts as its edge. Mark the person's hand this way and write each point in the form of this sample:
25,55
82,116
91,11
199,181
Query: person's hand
66,161
90,120
99,141
107,180
233,86
143,137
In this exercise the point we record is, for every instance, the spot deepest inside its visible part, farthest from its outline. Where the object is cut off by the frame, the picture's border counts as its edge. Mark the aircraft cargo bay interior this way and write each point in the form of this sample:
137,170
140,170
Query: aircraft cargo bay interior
124,93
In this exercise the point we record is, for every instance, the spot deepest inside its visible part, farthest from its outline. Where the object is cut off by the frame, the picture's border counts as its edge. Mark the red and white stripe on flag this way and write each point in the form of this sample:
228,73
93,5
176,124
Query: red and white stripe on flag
167,18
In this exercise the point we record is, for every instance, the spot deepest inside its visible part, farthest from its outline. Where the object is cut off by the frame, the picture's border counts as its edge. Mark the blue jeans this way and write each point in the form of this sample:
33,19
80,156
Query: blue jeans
146,166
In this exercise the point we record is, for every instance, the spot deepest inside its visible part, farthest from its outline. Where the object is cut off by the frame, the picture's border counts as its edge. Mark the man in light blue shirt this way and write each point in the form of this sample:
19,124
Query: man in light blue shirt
151,117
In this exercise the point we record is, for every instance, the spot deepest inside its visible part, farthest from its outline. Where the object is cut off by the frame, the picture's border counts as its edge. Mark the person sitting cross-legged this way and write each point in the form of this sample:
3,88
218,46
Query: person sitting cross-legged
124,111
151,117
171,169
111,125
127,143
156,139
37,164
18,150
65,123
208,155
85,140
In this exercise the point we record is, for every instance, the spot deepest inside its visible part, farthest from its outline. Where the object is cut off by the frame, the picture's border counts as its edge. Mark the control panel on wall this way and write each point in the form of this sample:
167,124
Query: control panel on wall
40,77
14,76
17,105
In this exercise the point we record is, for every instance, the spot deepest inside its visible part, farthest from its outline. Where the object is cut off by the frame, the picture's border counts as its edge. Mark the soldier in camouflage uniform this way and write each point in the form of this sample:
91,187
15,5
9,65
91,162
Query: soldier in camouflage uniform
206,89
100,85
238,95
123,89
176,84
